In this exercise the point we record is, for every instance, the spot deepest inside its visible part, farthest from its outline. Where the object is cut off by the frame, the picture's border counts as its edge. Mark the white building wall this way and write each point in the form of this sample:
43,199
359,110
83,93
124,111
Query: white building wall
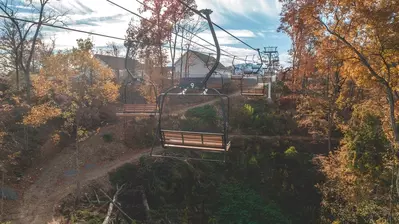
196,68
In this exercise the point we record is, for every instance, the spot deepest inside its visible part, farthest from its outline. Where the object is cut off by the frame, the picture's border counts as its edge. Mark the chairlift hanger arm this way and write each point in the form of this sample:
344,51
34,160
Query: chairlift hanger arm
207,13
261,61
196,11
207,60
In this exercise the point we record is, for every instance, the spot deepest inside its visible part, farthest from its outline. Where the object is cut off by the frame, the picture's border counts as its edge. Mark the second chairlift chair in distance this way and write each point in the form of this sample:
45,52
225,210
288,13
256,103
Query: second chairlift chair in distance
249,90
204,141
137,110
235,75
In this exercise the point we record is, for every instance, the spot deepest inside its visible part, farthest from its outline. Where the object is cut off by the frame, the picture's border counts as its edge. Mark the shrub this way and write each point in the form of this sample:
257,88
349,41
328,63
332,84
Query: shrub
206,113
291,151
107,137
123,174
200,119
239,204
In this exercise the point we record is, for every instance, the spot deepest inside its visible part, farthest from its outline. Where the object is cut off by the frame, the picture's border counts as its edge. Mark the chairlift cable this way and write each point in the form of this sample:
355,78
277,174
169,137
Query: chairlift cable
194,10
150,21
192,33
93,33
230,55
62,27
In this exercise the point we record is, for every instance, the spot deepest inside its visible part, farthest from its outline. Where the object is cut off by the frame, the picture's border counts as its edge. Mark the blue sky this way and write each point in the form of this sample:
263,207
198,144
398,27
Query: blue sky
254,21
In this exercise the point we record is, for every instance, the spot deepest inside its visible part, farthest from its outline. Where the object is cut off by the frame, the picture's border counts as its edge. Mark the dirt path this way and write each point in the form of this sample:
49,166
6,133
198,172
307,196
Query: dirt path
281,137
39,201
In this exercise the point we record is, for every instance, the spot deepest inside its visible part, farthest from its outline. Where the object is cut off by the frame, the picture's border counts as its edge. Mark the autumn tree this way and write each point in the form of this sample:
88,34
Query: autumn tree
371,54
67,86
9,40
362,36
24,36
152,33
359,174
191,27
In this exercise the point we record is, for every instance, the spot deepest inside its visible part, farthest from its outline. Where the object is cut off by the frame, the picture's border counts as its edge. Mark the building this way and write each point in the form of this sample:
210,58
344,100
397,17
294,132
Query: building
117,64
194,64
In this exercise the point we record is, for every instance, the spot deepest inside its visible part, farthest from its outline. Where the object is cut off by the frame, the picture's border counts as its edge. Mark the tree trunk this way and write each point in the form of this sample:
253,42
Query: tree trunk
31,53
173,57
181,55
16,71
146,206
110,208
391,102
329,115
77,163
186,72
28,85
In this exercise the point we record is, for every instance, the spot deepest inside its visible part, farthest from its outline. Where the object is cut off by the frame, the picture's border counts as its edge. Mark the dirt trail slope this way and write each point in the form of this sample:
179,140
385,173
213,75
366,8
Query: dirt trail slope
39,201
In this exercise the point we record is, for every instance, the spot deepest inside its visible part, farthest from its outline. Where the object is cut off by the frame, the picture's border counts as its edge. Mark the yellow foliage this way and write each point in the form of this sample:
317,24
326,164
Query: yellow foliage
72,80
2,134
56,138
40,114
147,91
41,85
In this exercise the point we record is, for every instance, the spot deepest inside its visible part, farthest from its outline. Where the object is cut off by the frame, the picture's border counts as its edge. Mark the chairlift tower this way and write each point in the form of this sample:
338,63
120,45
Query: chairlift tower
272,62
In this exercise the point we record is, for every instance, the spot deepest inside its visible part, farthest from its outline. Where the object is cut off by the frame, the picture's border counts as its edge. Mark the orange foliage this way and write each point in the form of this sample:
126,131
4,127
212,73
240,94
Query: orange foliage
40,114
67,82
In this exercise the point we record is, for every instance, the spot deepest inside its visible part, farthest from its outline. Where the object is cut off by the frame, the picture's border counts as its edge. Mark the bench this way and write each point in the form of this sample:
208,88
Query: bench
195,140
137,110
236,77
253,91
215,85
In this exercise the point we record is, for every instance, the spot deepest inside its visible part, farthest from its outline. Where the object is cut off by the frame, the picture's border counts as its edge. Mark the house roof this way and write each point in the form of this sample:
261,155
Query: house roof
118,63
208,59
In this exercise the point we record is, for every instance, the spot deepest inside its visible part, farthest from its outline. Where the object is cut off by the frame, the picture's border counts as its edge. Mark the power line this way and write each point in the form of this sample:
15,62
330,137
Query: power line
93,33
62,27
80,31
192,33
229,54
194,10
150,22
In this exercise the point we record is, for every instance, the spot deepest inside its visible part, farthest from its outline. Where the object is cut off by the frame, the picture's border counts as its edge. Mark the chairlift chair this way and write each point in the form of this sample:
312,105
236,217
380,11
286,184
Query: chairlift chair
235,75
137,110
204,141
260,88
248,70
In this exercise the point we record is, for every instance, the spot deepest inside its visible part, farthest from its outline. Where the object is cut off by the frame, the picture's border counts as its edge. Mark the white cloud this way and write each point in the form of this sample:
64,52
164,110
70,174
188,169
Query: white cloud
245,8
223,37
285,59
261,34
100,16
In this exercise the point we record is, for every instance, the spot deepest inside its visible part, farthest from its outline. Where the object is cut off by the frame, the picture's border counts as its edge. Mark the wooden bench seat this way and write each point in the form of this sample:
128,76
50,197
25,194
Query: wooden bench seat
215,85
236,77
138,109
195,140
253,91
